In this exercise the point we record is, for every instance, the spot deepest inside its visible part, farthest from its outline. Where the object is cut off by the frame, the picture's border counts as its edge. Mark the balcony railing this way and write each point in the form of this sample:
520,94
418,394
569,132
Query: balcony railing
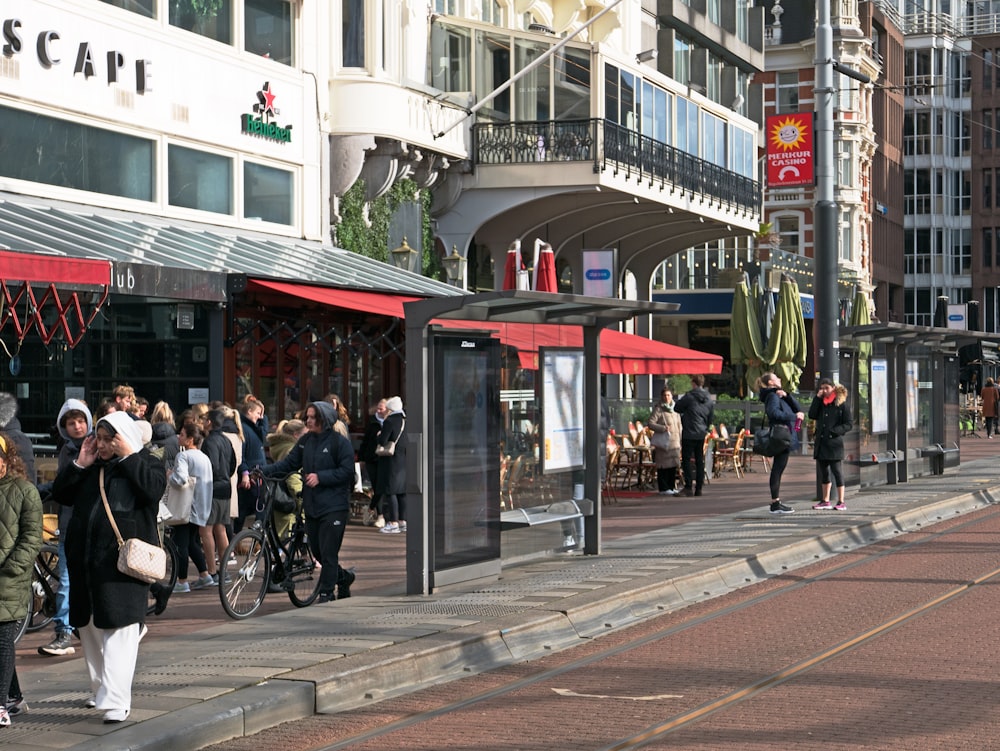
609,146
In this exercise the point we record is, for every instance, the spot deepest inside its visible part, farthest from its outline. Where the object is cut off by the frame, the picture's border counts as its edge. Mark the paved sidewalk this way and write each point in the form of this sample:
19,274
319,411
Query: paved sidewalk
192,690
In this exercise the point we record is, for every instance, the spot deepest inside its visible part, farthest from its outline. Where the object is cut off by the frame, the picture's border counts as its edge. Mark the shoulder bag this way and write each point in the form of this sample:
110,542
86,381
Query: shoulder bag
660,439
389,449
136,558
178,501
772,440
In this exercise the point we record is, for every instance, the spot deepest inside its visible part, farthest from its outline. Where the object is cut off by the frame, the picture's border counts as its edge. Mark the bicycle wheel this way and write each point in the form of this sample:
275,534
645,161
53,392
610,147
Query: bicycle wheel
22,628
301,576
244,573
44,585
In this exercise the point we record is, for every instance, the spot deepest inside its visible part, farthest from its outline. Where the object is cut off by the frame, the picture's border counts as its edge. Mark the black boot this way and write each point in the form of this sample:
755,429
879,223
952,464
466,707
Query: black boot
347,577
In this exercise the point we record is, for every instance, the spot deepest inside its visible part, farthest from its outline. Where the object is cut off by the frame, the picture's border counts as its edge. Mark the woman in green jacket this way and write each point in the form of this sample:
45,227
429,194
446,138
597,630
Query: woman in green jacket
20,541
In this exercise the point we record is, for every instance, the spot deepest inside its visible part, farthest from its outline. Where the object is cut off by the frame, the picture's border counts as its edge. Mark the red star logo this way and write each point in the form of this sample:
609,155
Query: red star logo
265,99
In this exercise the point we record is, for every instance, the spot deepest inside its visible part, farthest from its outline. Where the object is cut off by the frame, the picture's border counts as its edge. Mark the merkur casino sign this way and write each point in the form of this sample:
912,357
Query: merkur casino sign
790,151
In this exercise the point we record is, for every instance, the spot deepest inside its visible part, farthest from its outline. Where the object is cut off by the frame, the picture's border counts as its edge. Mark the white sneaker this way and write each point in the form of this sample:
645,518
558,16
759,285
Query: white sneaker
390,529
569,541
380,522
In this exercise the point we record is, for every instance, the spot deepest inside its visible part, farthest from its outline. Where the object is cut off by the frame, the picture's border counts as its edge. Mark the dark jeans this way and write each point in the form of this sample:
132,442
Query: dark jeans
991,425
693,449
828,467
778,464
8,675
188,543
326,535
666,478
394,507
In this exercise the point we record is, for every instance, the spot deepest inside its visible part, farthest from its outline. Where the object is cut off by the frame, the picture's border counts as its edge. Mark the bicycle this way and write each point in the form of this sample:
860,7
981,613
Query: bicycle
256,558
44,585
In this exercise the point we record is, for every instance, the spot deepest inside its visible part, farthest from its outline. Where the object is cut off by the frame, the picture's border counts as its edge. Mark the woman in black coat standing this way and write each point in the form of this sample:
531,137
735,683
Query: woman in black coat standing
781,408
106,606
833,420
392,469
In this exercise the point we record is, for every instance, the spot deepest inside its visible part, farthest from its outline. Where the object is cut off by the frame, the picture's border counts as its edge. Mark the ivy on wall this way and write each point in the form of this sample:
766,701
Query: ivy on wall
365,229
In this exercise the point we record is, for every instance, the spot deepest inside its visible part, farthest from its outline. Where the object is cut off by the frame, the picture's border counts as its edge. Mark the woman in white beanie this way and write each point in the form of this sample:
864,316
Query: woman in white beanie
105,605
391,477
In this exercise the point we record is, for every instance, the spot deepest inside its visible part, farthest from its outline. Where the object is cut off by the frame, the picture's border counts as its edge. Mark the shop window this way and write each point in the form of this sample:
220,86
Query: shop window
207,18
269,29
57,152
267,194
199,180
145,8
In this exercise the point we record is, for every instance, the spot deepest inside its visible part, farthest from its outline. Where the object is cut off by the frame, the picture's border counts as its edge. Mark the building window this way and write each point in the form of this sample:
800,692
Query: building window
199,180
208,18
493,12
987,116
145,8
845,170
269,30
450,58
987,189
353,33
988,247
987,70
268,194
42,149
788,229
787,92
682,60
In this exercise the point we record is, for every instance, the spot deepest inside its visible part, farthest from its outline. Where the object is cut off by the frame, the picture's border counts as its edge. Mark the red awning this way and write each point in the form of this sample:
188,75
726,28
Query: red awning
36,267
621,353
379,303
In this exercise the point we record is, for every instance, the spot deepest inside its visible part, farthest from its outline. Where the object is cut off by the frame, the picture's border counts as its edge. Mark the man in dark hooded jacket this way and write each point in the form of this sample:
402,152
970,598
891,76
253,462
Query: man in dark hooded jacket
697,411
326,459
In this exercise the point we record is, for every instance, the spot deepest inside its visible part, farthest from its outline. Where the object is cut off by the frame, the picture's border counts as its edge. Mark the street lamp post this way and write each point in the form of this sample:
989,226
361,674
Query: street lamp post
454,267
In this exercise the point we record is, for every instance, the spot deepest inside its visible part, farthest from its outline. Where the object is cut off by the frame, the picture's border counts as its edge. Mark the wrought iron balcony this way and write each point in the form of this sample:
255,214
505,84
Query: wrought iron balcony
609,146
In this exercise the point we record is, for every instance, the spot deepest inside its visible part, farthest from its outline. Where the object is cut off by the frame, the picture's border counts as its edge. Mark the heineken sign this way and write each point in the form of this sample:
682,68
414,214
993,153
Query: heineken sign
259,123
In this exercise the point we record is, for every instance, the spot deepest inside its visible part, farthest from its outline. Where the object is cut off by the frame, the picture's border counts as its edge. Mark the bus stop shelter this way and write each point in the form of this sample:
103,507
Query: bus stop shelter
905,380
430,563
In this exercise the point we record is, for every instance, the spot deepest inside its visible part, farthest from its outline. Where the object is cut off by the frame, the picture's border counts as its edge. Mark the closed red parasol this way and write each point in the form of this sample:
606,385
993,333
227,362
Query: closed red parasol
512,265
545,268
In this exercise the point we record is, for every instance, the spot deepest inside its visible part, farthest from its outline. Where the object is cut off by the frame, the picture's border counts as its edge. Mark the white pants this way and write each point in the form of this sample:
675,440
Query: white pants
111,655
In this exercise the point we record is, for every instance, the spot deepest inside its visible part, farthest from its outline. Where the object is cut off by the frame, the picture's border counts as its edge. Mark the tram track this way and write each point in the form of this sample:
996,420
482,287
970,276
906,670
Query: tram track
778,587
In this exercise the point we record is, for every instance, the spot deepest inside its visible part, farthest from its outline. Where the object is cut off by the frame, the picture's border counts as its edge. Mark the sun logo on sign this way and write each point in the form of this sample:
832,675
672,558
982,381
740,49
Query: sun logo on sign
788,134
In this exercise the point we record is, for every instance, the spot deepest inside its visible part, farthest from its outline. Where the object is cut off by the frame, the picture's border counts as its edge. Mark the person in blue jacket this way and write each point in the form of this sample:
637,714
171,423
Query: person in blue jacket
781,409
326,459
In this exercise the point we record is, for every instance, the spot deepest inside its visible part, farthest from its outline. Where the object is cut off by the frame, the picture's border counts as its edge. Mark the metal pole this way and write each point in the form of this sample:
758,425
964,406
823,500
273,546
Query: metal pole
825,236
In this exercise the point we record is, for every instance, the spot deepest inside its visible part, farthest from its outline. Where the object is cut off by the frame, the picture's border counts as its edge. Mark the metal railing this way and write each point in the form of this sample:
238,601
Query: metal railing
609,146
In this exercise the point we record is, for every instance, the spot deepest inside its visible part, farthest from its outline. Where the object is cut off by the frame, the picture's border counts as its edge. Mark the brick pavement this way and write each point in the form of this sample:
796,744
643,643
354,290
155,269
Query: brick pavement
200,684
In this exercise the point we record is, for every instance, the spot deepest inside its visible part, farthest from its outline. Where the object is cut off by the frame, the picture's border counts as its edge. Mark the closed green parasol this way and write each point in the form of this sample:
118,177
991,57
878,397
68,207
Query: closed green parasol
745,346
786,350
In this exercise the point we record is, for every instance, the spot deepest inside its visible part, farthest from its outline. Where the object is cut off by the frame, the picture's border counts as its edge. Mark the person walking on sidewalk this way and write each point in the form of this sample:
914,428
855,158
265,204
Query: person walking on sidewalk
326,459
832,414
990,400
666,440
697,413
20,541
391,476
781,409
75,423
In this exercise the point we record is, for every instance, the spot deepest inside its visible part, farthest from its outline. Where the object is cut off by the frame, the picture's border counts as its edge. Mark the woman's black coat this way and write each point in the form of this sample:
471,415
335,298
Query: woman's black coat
833,421
392,469
97,589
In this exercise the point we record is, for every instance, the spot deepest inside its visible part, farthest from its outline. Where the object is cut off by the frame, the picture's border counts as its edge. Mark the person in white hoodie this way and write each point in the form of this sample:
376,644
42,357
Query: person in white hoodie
75,423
